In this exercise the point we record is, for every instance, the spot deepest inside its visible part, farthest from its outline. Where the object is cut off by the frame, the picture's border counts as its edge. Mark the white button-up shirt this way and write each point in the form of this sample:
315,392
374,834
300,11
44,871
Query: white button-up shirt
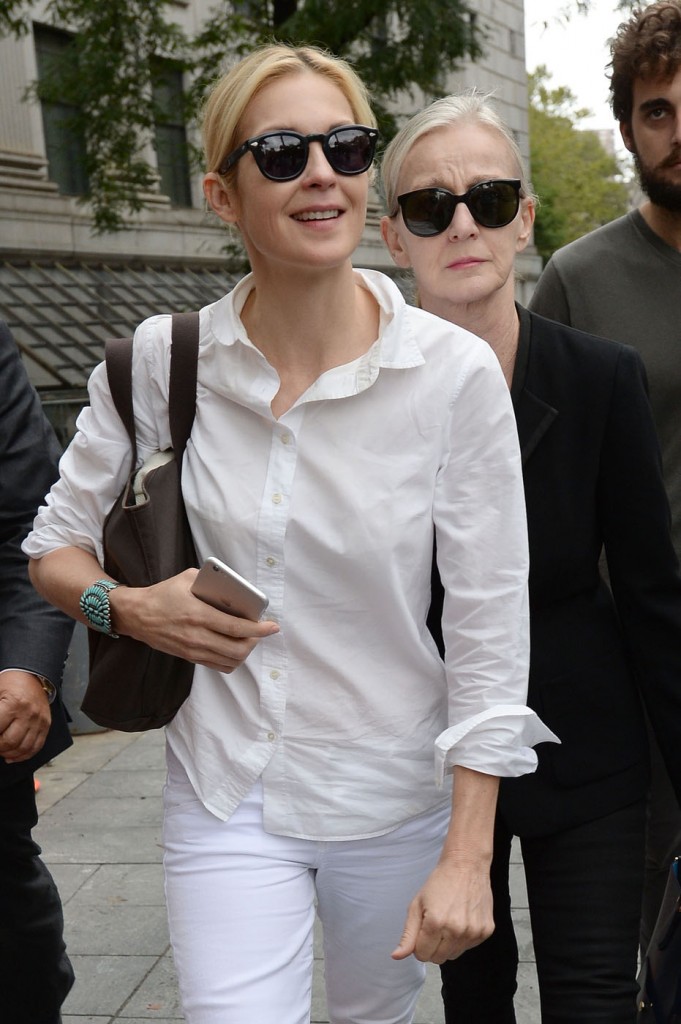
331,510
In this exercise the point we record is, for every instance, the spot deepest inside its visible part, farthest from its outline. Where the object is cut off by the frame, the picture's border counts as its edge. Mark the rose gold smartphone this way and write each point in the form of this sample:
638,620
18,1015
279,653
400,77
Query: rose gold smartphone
220,586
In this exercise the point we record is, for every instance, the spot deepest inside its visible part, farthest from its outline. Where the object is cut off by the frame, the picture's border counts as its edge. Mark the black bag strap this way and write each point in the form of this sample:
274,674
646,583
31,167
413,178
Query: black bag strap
184,354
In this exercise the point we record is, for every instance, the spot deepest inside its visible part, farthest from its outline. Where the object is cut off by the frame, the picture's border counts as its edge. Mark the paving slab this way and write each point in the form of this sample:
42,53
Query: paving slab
97,812
116,929
146,753
60,785
86,1020
89,753
523,934
429,1006
318,1014
120,782
527,996
157,998
70,878
139,885
104,984
62,844
518,886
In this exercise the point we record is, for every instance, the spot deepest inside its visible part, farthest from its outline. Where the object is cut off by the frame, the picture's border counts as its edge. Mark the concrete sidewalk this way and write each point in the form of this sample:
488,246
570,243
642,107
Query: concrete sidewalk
100,830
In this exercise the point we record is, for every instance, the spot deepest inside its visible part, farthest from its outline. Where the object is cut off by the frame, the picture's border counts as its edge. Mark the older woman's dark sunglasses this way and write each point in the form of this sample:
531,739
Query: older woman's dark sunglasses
282,156
429,211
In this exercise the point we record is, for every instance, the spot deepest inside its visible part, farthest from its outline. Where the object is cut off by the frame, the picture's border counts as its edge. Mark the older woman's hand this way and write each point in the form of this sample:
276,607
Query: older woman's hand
453,910
168,617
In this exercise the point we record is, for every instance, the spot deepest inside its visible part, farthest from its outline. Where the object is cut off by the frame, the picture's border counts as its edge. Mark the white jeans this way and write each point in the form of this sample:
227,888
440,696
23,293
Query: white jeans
241,908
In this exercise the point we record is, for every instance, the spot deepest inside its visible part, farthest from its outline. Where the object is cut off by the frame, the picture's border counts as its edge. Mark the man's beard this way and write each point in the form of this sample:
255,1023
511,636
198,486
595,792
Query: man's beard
659,189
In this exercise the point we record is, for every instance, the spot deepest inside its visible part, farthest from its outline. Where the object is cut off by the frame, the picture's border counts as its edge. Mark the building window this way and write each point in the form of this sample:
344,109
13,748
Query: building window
170,135
64,141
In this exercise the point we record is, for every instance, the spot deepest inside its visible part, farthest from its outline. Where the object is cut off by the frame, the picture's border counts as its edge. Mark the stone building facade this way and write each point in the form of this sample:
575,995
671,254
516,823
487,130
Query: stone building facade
64,288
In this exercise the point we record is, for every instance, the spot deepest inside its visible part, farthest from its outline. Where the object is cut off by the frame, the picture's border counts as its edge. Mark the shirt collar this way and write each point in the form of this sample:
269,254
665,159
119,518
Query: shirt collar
396,347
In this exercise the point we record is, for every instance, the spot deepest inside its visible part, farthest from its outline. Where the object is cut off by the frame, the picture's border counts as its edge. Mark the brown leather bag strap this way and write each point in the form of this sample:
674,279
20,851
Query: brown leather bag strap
184,354
118,355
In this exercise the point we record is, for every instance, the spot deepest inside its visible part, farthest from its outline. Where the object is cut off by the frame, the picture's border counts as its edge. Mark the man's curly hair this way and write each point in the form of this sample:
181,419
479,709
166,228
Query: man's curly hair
646,46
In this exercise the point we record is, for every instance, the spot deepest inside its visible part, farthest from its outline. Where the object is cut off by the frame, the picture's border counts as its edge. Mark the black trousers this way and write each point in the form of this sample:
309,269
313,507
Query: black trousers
35,972
584,890
663,840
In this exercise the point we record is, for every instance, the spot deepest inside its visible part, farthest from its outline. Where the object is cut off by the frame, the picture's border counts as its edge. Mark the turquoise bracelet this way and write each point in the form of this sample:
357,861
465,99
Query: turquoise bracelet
95,606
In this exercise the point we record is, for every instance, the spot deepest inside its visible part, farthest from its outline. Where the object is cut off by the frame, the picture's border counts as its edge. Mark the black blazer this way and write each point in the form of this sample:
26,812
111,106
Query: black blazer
33,635
593,481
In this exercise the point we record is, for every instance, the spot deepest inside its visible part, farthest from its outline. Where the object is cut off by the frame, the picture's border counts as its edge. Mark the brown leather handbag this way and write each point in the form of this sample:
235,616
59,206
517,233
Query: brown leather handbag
131,686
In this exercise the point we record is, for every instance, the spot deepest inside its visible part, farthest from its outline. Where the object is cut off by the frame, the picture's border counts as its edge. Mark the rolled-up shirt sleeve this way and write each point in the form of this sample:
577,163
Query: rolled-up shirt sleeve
95,466
483,560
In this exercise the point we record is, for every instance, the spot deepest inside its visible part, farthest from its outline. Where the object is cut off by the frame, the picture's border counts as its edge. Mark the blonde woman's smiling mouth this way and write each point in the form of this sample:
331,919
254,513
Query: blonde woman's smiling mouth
307,215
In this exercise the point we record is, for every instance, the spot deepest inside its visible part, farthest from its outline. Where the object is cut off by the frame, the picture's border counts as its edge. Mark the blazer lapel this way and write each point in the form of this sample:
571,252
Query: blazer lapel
533,415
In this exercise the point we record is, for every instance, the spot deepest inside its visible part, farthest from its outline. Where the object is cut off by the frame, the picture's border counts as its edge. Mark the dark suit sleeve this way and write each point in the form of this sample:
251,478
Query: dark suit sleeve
33,635
642,564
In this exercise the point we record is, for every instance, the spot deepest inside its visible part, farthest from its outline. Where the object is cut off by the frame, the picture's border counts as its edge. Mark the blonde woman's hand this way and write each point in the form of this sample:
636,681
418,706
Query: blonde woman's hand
169,618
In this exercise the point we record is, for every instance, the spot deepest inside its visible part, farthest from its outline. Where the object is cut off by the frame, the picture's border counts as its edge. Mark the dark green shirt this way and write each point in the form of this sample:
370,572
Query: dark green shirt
623,282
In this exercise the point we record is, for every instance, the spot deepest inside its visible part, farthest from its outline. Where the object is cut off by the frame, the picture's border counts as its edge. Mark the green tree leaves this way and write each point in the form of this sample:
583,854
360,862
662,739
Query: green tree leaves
578,182
396,45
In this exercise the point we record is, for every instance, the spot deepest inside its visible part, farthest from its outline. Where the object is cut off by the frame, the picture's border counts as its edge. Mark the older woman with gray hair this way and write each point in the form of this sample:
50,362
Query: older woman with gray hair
459,210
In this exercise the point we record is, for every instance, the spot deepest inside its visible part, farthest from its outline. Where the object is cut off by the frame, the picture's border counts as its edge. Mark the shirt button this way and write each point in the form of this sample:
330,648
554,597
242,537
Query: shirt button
274,674
271,736
285,438
271,561
277,498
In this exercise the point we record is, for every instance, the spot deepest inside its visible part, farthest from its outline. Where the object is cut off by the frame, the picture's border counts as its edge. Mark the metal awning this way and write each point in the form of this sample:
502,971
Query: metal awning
61,313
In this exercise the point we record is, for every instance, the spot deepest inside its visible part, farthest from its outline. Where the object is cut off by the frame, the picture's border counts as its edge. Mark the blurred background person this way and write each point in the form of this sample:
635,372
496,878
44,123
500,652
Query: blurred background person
623,281
35,972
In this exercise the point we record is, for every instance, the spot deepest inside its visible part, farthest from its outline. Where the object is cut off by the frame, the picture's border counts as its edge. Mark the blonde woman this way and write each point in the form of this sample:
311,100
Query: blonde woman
325,454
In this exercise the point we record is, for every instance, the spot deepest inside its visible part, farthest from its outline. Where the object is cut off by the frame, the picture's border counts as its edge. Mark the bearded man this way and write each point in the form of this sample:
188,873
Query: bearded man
623,281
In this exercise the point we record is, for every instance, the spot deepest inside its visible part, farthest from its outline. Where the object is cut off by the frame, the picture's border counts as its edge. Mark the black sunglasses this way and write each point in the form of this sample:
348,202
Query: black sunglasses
282,156
429,211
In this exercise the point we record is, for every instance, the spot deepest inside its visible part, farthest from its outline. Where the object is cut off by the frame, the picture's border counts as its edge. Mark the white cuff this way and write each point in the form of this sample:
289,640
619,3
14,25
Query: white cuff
497,741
